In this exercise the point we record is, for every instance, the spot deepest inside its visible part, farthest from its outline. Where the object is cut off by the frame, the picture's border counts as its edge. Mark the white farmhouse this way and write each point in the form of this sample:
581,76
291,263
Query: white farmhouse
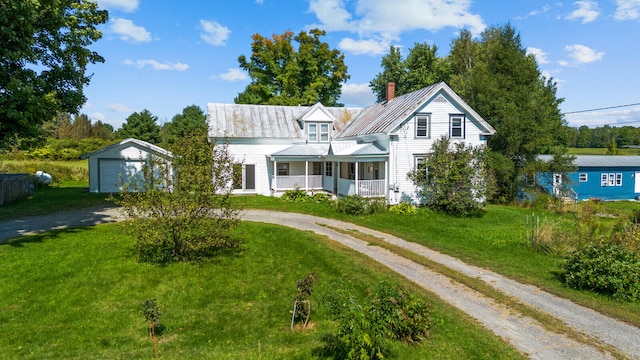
343,151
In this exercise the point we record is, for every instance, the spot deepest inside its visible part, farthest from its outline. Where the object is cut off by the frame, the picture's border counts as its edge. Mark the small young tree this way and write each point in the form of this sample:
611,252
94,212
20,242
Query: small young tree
182,210
453,179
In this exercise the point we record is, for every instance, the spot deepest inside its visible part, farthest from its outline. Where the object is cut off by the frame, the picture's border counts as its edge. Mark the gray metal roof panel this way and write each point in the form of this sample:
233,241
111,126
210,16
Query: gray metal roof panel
604,161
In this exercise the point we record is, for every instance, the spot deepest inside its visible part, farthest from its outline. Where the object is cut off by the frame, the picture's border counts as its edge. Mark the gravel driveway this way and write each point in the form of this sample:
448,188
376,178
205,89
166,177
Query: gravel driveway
522,332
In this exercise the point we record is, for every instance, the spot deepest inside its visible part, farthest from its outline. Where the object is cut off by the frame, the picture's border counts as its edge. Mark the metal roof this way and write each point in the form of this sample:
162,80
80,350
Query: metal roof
383,117
304,150
608,161
130,141
266,121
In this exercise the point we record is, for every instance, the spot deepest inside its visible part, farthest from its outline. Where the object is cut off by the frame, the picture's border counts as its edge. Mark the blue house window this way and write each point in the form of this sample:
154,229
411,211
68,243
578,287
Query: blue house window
611,179
583,177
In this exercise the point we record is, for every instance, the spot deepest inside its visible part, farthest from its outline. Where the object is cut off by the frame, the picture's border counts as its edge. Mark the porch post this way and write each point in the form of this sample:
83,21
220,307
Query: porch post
275,176
386,180
306,175
357,188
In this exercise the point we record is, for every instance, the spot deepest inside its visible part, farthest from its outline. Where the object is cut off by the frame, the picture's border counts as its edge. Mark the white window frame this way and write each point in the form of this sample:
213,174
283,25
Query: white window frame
426,127
244,178
421,159
324,133
583,177
283,169
461,127
611,179
312,132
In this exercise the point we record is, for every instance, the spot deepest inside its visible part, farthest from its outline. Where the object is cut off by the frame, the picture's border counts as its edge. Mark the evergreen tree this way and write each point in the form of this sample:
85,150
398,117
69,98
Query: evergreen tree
192,119
141,126
421,68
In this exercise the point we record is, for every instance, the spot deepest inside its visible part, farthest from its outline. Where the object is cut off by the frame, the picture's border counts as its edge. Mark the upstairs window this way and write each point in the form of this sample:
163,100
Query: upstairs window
456,124
318,132
312,132
324,132
423,130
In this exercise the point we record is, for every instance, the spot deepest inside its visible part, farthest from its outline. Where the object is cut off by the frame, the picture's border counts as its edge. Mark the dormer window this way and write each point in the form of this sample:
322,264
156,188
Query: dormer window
318,132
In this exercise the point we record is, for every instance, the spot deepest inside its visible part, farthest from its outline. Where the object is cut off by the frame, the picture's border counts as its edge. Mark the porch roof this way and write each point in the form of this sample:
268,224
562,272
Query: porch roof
338,148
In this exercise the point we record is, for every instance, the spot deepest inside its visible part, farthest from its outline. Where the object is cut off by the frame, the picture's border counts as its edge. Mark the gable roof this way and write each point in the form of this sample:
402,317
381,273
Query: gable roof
384,117
270,121
140,144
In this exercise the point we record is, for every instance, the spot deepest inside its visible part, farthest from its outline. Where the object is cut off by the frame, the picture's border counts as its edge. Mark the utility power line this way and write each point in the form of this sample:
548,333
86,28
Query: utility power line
599,109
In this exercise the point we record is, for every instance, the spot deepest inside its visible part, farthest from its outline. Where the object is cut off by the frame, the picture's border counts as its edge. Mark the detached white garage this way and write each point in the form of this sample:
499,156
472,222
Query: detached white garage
124,159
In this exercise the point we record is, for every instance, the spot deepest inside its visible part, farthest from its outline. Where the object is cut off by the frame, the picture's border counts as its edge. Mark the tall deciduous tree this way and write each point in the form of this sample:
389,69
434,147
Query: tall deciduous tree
283,75
43,59
142,126
192,119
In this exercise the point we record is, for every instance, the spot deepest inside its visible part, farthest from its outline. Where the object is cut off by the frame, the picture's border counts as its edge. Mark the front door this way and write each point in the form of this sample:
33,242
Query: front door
637,182
557,184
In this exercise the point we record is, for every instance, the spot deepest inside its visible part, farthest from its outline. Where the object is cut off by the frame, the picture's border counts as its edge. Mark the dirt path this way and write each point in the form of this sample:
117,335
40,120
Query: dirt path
524,333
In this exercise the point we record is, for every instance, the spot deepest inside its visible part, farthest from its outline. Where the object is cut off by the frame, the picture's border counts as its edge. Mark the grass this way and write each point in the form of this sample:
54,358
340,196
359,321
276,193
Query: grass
76,294
68,195
602,151
497,241
67,192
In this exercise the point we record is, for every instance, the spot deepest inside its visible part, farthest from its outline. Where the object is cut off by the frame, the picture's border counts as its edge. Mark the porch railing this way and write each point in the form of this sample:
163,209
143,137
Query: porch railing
370,188
292,181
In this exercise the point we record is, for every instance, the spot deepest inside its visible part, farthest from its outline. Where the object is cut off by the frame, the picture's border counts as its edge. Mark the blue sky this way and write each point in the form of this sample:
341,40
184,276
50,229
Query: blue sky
164,55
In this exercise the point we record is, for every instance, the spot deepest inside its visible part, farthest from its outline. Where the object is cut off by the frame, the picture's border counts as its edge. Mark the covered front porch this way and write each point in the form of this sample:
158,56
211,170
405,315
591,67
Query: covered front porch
364,178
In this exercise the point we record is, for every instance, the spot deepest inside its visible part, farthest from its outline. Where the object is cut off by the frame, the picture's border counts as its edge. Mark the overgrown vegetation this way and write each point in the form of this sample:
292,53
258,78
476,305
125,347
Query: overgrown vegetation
365,330
181,210
604,268
453,179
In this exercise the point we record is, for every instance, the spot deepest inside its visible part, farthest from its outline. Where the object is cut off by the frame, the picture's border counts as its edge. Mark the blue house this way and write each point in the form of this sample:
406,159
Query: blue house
599,177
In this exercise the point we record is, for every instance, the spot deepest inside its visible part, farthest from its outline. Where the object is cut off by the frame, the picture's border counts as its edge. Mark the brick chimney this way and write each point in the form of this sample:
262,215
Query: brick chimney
391,91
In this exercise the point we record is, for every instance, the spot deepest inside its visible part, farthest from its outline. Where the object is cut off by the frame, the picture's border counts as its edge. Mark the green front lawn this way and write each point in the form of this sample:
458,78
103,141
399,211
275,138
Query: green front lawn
76,294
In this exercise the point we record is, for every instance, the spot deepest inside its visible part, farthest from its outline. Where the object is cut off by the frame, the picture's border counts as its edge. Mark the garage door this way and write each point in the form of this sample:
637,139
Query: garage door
111,169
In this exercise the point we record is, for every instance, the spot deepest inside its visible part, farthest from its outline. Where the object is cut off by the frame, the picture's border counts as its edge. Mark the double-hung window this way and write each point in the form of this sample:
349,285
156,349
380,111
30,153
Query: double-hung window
312,132
283,169
324,132
422,171
456,126
422,126
611,179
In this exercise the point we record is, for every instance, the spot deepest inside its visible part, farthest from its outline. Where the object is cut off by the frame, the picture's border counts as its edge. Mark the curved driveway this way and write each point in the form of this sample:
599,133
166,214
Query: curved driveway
524,333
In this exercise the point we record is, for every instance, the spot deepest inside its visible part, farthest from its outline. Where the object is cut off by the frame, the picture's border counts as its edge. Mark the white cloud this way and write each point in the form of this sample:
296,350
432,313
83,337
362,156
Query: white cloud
377,16
627,10
157,65
541,56
587,10
97,116
124,5
357,95
260,2
544,9
385,22
360,47
599,118
130,32
582,54
213,33
119,108
233,75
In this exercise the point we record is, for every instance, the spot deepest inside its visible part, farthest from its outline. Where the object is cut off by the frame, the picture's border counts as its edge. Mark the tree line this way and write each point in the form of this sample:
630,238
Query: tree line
604,136
492,72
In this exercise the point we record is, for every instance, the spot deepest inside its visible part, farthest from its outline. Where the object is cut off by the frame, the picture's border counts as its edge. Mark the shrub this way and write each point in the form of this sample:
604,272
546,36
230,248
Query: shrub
358,205
363,332
404,208
296,194
321,198
604,268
